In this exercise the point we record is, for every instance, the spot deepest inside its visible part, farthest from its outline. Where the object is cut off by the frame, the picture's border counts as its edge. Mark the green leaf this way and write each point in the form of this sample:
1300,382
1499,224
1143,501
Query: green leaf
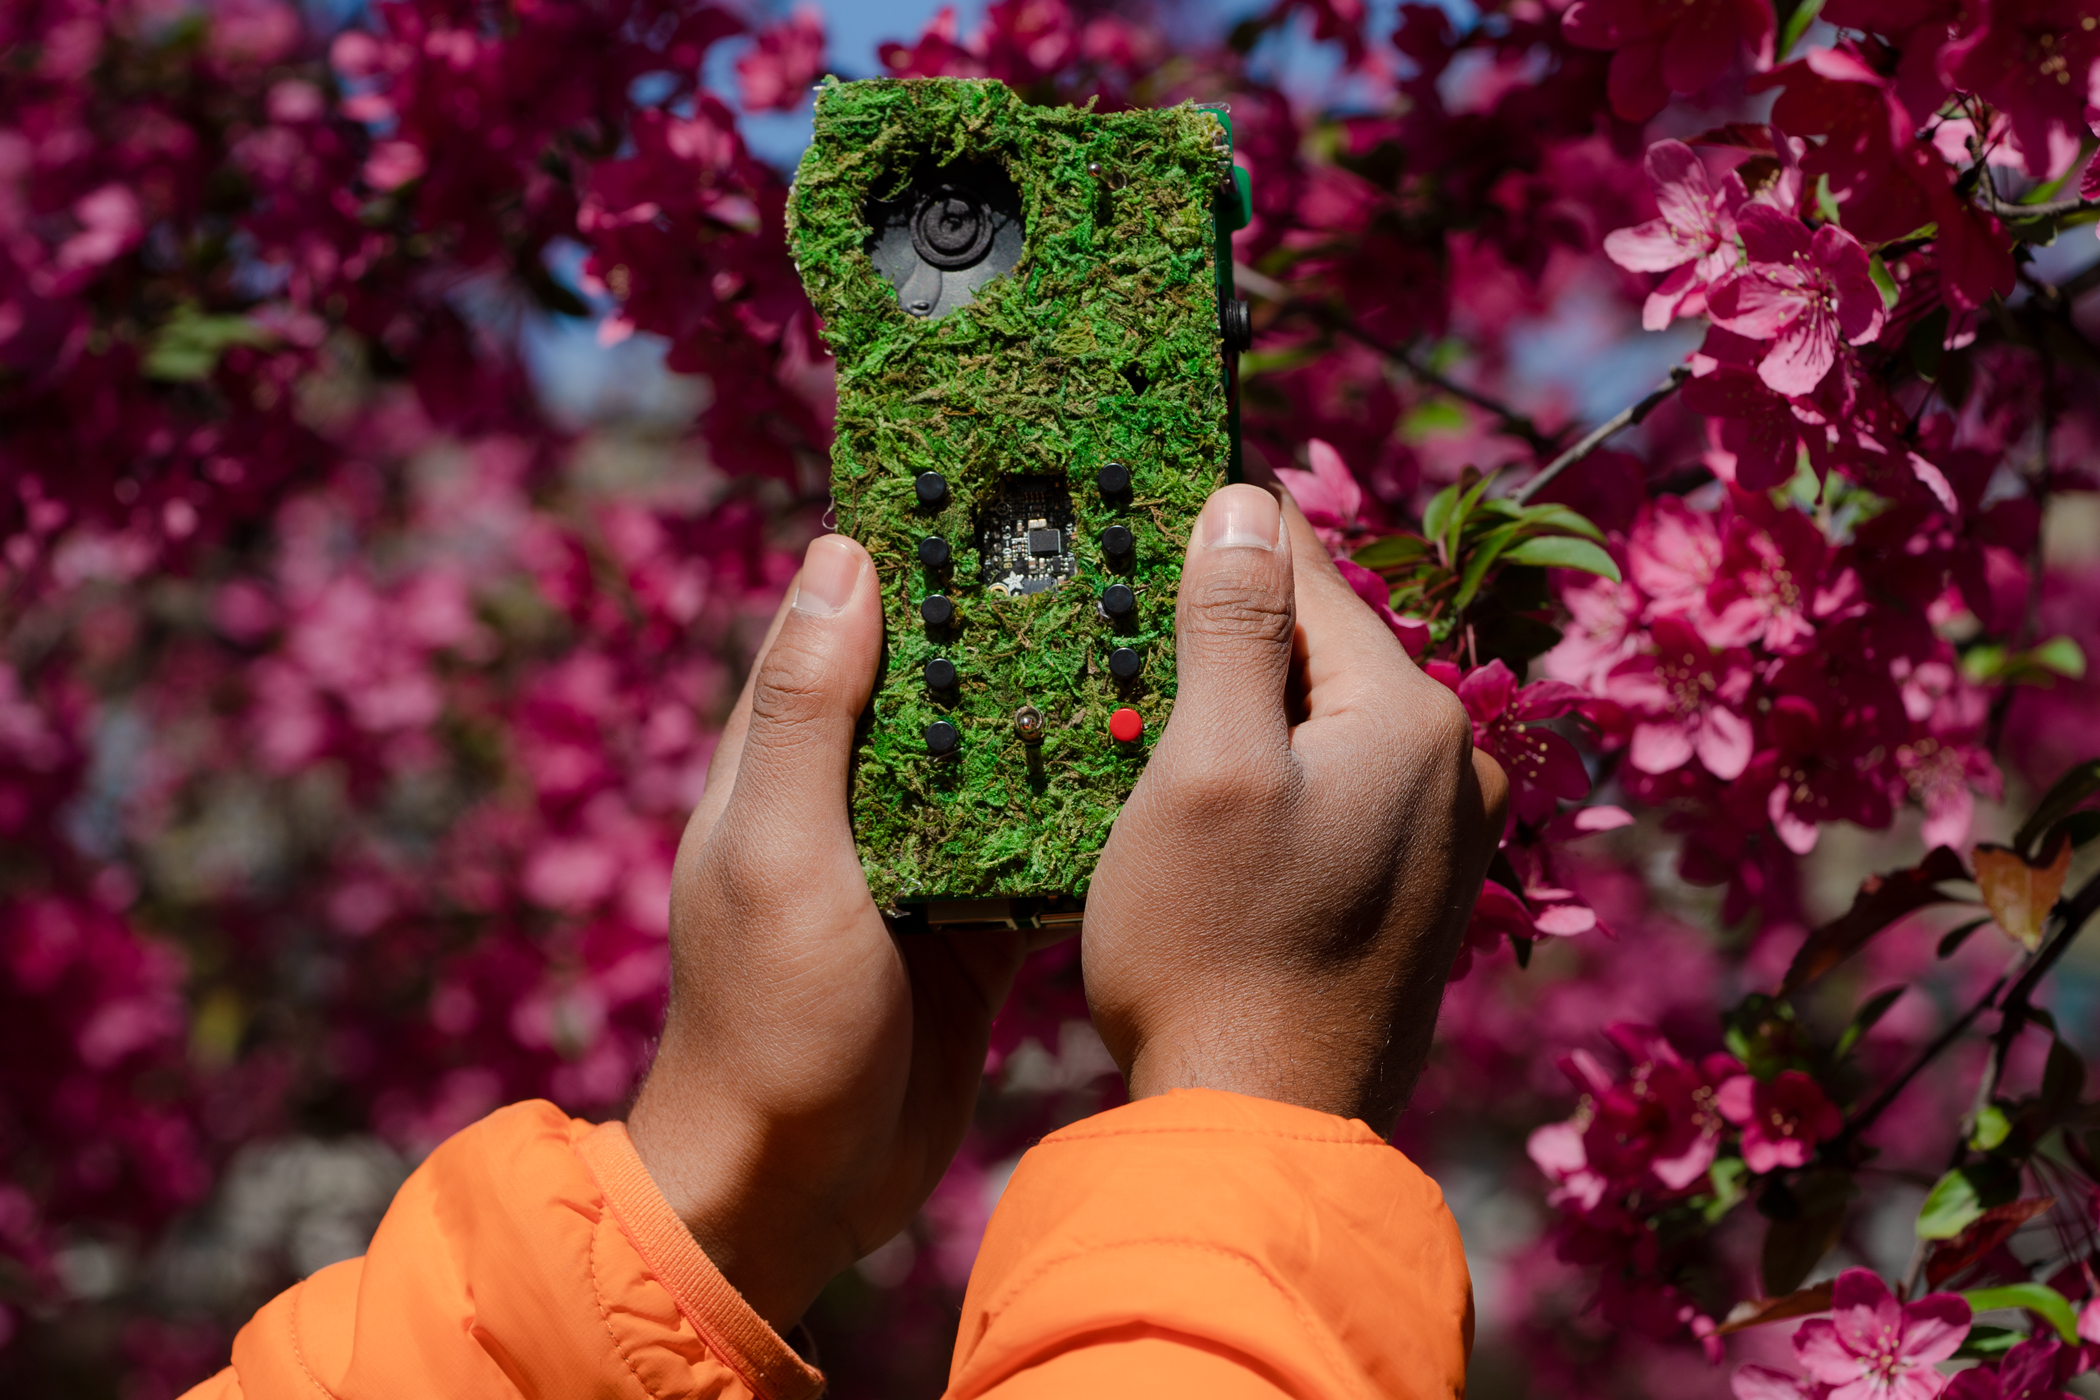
2069,793
1391,551
2038,1298
1730,1176
1879,271
2061,655
1877,1006
1986,1341
1826,202
1433,416
1462,513
1960,1197
1797,25
1437,514
1565,552
1554,516
1956,937
1992,1127
1479,559
187,348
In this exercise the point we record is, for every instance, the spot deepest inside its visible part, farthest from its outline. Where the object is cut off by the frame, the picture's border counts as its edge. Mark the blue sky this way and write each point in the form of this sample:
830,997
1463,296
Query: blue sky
857,26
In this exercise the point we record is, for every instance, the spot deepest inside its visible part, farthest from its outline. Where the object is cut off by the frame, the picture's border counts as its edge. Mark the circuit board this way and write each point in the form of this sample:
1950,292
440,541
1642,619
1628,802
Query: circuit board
1031,314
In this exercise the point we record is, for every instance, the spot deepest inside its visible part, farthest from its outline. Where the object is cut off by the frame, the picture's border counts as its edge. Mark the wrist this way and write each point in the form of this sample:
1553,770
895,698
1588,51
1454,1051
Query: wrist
772,1244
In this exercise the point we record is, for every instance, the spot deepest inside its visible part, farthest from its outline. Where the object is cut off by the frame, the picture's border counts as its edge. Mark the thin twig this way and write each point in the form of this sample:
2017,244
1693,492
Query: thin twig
1513,423
2039,211
1596,437
2074,914
1864,1119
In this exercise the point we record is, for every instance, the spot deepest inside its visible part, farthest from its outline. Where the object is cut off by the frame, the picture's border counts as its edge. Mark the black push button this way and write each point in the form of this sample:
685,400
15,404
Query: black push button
934,552
1124,664
1117,543
942,738
940,674
1113,480
1118,602
932,488
938,610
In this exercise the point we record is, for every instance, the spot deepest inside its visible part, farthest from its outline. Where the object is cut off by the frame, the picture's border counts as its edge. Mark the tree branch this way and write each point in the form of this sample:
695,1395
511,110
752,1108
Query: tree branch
1512,423
2073,914
1596,437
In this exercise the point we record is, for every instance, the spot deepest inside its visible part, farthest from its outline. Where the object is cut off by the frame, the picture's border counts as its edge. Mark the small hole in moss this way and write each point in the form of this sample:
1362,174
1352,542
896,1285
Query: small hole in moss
1134,376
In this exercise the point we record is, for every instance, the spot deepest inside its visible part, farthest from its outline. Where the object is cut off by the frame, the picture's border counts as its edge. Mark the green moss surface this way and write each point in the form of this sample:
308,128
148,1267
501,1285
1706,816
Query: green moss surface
1100,345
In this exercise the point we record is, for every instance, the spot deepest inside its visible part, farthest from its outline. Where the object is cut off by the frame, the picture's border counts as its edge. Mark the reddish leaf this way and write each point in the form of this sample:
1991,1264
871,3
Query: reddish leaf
1989,1230
1756,1312
2019,892
1881,901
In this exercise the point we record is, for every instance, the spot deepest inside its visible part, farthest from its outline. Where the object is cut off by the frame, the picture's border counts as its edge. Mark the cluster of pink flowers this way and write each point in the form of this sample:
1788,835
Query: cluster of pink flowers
350,706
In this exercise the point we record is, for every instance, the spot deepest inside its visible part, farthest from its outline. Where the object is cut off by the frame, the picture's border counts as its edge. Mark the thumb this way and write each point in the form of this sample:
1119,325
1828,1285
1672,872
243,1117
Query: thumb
1234,625
805,697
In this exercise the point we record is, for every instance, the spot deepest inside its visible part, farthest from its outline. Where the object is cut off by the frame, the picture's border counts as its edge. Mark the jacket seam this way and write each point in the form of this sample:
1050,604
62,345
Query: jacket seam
1070,1135
1009,1296
605,1312
291,1327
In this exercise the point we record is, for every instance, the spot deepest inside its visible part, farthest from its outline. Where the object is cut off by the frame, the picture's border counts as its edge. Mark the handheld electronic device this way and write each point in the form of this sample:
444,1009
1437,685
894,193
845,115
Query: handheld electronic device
1032,316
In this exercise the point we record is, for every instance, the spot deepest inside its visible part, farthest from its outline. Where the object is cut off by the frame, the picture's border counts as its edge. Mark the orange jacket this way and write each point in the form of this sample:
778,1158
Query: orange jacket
1194,1244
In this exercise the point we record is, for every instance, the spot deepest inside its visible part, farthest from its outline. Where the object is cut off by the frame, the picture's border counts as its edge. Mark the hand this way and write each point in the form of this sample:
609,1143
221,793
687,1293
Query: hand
816,1074
1279,904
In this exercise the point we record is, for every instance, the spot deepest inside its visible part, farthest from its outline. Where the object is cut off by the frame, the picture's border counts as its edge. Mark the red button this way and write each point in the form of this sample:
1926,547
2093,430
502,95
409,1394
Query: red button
1125,725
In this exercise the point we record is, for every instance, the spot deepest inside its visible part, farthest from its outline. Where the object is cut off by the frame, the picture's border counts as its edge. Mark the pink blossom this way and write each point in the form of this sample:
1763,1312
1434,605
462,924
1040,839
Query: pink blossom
1660,49
1543,767
1692,238
1803,291
1328,494
775,73
1376,592
1686,701
1782,1120
2033,1370
1754,1382
1775,582
2038,61
1661,1124
1875,1348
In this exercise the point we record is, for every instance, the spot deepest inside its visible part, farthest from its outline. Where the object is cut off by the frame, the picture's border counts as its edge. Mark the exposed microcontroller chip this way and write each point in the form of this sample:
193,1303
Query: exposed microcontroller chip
1024,536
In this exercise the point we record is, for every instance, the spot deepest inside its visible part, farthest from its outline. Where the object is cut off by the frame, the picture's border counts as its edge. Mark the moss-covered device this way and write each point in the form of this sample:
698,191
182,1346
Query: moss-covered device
1032,314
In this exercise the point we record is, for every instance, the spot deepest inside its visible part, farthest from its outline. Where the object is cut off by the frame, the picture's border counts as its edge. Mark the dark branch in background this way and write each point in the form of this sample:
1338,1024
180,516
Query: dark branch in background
1512,423
1596,437
2073,913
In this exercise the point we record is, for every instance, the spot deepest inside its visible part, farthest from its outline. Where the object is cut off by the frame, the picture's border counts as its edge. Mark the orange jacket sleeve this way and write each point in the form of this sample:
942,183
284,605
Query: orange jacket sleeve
530,1255
1199,1243
1209,1244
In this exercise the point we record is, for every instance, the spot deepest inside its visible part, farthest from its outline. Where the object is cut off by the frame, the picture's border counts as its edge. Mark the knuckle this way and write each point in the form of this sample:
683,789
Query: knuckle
1239,609
793,688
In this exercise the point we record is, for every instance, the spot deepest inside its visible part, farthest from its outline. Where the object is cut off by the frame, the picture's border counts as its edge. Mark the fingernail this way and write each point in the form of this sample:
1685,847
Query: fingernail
829,571
1241,517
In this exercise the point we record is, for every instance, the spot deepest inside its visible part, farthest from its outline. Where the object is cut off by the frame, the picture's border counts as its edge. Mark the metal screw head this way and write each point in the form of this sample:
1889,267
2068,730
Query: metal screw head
934,552
942,738
1028,723
932,488
938,610
1117,601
